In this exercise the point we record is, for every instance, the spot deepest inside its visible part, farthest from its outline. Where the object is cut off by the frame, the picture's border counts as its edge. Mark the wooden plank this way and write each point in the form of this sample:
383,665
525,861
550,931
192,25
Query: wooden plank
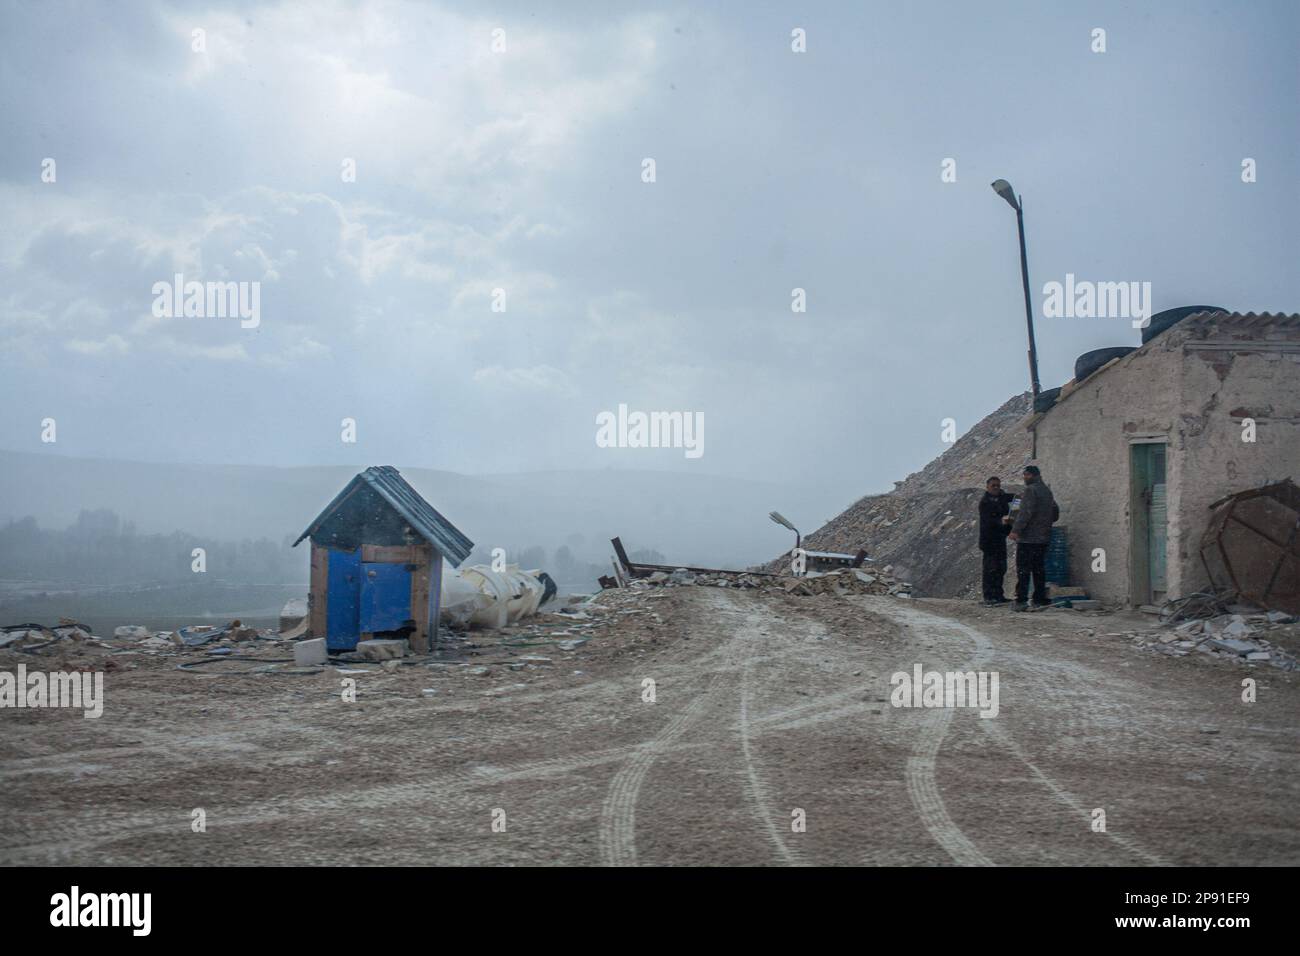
419,638
622,555
390,554
435,595
318,595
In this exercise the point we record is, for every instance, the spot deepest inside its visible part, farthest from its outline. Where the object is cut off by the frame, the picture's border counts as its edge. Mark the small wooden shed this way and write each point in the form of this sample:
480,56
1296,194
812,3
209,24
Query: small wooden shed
376,563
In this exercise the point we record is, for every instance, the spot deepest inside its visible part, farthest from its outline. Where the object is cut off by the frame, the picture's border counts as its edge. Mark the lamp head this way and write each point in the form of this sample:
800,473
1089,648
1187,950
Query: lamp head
1003,189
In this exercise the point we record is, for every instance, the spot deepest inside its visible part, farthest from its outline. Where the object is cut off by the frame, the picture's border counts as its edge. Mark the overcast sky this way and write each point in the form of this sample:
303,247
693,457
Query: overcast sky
521,169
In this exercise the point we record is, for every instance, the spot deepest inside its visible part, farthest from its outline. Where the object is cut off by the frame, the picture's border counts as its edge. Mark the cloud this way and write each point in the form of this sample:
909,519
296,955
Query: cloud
113,344
538,378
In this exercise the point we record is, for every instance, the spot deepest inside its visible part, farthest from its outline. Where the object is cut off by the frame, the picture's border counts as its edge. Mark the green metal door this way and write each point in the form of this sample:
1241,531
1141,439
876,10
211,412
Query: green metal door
1157,523
1149,513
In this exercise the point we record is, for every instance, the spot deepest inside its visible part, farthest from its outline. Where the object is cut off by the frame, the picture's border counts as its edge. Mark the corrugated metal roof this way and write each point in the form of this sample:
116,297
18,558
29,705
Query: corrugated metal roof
389,484
1250,320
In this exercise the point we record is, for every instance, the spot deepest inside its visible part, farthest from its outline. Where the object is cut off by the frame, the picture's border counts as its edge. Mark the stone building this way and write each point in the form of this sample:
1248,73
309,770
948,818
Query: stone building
1138,450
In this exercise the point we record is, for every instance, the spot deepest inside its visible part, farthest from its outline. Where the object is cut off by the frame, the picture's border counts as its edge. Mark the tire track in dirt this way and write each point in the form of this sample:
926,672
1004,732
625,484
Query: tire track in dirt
925,768
924,791
747,634
618,814
759,621
922,786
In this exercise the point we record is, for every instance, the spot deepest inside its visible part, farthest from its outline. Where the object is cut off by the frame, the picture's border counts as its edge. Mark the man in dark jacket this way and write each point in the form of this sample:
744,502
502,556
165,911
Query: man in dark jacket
994,528
1032,531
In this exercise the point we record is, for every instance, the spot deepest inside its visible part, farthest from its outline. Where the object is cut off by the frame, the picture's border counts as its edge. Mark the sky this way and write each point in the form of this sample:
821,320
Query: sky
502,146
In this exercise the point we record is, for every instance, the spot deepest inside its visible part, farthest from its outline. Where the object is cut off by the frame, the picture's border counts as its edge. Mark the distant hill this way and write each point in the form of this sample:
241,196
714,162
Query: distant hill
692,518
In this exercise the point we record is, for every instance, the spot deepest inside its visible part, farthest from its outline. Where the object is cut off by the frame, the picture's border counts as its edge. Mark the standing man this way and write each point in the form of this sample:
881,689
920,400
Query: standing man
994,528
1032,531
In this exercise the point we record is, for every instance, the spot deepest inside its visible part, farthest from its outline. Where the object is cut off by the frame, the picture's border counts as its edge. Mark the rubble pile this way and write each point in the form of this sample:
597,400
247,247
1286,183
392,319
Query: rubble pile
927,527
841,581
74,638
850,581
1243,634
683,577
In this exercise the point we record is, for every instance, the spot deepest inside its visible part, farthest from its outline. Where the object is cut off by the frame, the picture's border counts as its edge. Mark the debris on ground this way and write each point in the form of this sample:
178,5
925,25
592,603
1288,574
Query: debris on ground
927,524
1241,633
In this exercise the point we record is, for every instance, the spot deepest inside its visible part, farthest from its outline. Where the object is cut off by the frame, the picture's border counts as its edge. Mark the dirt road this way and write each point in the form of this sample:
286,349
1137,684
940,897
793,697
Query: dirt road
768,710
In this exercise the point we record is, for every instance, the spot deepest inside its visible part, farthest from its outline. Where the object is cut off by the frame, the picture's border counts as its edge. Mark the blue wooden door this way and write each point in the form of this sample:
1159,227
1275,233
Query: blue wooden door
385,596
343,606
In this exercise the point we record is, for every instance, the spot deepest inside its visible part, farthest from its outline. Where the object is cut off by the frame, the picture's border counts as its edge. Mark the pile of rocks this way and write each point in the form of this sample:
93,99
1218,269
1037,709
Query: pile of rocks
843,581
683,577
129,637
840,581
35,636
1247,635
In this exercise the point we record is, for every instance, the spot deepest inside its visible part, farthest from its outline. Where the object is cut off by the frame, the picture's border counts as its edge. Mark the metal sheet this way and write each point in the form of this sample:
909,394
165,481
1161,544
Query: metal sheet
385,597
342,615
387,482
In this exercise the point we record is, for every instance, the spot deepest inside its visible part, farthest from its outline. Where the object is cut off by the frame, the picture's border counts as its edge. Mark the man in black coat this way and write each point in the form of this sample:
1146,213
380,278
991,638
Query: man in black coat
994,508
1032,531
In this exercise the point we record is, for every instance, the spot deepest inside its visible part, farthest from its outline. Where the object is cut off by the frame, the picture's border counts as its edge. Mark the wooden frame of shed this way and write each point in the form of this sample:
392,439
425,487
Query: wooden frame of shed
376,563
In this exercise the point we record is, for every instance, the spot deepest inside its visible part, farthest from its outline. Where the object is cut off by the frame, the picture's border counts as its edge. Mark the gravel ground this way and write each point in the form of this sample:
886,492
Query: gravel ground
768,710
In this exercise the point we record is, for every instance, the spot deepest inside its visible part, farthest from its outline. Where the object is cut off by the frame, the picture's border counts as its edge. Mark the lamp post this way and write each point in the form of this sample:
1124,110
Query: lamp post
784,522
798,539
1003,189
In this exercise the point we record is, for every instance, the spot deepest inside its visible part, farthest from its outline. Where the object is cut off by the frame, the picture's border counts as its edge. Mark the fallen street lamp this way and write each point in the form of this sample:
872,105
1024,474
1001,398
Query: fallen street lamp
784,522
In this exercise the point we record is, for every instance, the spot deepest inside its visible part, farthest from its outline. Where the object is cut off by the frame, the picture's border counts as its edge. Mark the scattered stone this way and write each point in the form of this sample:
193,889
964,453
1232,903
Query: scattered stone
132,632
307,653
571,645
1237,628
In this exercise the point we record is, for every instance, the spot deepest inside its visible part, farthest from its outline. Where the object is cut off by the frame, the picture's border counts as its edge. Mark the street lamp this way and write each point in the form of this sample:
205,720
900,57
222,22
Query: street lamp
1003,189
783,521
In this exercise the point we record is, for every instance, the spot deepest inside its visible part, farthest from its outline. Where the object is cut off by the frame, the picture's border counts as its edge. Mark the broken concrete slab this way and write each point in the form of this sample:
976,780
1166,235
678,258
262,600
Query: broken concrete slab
306,653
